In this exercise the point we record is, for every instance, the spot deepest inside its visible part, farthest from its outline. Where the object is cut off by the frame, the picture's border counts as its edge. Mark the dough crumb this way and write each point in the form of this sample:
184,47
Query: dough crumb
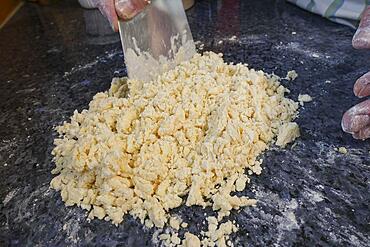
184,224
175,223
342,150
288,132
191,240
291,75
304,98
233,38
217,233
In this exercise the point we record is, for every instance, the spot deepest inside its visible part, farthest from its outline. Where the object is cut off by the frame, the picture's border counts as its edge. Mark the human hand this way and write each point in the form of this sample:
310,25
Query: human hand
119,9
356,120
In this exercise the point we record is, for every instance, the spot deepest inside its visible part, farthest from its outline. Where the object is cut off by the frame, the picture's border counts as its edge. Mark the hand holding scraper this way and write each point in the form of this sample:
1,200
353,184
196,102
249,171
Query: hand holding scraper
155,34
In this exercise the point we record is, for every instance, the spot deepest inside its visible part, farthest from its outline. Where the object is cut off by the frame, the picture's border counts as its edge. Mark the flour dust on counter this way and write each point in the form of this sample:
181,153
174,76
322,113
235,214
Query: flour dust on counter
189,137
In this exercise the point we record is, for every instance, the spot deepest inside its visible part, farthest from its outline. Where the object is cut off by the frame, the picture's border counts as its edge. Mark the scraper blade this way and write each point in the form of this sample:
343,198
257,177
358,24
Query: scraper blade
156,40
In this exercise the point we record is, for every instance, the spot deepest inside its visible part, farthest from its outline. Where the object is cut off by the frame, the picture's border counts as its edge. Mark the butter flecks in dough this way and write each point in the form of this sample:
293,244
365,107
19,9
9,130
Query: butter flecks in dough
287,133
187,137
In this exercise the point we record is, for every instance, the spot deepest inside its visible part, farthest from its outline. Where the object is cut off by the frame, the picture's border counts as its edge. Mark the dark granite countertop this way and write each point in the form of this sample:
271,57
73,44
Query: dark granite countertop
54,59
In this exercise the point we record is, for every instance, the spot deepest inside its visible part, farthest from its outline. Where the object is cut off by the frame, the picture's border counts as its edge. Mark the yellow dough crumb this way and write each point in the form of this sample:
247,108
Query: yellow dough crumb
184,225
175,223
288,132
218,233
342,150
304,98
291,75
187,137
191,240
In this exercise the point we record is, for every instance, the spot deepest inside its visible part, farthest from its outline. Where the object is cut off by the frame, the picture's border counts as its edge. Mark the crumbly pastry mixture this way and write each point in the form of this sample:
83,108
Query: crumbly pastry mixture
188,137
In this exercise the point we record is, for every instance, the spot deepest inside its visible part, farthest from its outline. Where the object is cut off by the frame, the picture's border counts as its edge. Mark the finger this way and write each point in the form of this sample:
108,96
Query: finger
362,86
363,133
356,118
108,10
354,124
361,39
127,9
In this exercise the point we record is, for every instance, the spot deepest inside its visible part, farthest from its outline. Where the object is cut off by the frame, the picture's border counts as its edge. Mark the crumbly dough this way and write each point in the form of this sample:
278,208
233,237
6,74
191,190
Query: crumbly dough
191,240
287,133
170,240
218,233
188,137
304,98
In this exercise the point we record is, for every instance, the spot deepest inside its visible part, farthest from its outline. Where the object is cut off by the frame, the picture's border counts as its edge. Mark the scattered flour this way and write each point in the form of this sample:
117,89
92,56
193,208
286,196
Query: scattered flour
314,196
10,196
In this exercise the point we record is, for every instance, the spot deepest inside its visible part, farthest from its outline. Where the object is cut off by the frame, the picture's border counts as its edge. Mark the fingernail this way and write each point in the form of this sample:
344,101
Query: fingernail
361,39
352,124
362,86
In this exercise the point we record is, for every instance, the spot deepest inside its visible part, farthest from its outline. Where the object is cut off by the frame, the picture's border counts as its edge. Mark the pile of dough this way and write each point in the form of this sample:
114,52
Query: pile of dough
188,137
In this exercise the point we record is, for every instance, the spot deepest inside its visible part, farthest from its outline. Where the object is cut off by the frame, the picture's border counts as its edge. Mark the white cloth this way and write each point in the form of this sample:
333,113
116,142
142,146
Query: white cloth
347,12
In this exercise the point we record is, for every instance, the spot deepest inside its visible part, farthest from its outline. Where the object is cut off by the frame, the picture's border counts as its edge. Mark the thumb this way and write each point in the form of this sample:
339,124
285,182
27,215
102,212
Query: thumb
107,8
127,9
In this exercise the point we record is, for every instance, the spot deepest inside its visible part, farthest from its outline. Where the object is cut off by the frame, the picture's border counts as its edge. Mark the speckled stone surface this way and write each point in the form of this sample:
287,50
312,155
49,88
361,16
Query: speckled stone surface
54,59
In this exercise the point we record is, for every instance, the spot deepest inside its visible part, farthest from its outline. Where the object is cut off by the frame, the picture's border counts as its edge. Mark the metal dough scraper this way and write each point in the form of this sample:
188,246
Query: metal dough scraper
156,40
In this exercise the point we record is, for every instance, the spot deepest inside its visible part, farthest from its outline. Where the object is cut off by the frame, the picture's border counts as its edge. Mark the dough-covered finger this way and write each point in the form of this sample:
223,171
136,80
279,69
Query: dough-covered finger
361,39
356,118
363,133
127,9
353,124
362,86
